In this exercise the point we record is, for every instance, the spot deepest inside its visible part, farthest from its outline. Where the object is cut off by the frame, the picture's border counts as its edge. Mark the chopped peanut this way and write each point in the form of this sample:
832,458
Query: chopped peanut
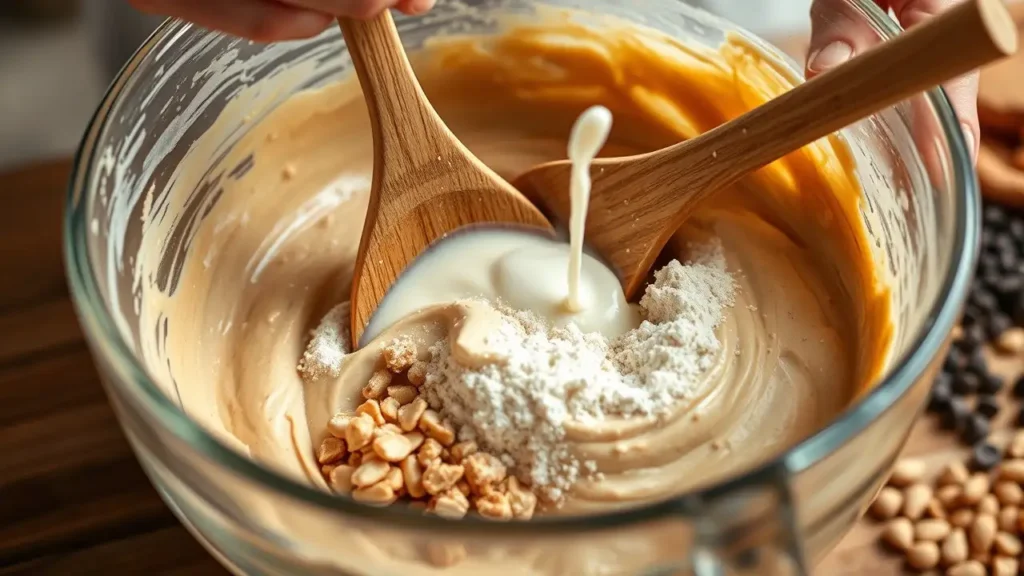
431,424
359,432
417,373
429,451
439,477
483,469
372,408
413,474
378,383
400,354
409,415
331,450
392,447
463,449
341,478
494,506
404,394
380,494
389,408
370,472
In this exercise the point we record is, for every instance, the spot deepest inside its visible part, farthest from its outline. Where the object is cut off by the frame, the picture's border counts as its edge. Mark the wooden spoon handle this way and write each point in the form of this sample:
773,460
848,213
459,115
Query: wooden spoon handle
971,34
399,111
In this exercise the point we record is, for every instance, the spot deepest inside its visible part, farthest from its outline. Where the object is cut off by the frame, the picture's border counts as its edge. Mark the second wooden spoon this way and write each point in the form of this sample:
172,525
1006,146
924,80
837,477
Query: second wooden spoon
661,189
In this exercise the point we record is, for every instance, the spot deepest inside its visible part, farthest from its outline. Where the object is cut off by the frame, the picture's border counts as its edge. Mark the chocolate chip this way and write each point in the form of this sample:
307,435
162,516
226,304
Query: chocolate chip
1018,387
976,428
988,406
1008,289
998,324
990,384
973,338
941,394
1016,230
984,456
956,413
994,217
1020,417
977,363
1017,309
955,360
966,383
984,299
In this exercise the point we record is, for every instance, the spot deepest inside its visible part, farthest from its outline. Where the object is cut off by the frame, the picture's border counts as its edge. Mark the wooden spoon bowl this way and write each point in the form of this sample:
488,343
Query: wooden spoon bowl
426,184
638,202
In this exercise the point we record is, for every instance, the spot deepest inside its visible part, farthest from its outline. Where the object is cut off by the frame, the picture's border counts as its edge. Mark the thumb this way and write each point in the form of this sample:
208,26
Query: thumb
838,32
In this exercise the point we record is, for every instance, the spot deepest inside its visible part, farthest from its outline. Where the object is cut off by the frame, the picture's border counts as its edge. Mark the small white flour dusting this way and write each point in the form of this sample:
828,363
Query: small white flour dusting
518,408
327,346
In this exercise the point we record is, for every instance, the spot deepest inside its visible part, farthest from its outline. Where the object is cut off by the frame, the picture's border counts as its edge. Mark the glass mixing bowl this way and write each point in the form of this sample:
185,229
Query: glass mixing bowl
779,518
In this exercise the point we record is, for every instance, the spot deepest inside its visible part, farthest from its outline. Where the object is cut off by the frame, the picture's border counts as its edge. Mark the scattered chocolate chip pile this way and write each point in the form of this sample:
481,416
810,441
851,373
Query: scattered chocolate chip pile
964,395
969,524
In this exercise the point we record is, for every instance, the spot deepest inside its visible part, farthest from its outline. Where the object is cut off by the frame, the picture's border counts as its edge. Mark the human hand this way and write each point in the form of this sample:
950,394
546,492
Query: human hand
273,20
838,33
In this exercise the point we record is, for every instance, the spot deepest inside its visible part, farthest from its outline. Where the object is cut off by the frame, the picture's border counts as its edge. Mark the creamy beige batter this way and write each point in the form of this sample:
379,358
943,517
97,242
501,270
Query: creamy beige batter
809,331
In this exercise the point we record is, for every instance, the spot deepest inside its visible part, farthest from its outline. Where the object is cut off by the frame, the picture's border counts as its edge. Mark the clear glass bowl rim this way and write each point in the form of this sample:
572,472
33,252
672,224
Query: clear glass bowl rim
98,325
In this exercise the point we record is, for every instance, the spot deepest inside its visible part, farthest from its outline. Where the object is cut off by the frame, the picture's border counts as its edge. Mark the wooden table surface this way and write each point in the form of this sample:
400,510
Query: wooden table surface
73,500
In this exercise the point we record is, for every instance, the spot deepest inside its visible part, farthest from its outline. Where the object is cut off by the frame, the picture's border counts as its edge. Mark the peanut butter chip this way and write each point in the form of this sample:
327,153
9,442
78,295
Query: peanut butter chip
954,547
1004,566
975,488
906,472
923,555
1016,448
982,533
955,473
933,530
1009,493
899,534
1007,544
1012,470
1008,519
968,568
916,499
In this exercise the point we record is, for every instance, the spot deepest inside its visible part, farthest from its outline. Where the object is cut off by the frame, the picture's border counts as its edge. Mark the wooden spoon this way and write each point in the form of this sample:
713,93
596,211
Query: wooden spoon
638,202
425,182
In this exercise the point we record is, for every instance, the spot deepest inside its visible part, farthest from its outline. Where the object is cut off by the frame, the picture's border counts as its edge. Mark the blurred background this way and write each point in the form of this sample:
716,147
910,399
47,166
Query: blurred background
57,57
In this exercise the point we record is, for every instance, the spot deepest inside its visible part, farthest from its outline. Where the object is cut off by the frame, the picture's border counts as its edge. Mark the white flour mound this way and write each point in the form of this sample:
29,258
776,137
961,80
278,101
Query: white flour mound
554,375
327,346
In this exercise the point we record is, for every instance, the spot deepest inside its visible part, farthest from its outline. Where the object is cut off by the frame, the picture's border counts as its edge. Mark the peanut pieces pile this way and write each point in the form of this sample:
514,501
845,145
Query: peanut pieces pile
969,524
395,447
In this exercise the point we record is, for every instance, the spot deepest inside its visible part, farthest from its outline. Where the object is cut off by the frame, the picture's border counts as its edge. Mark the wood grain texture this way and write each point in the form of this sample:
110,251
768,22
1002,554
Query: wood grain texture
73,499
663,188
426,184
